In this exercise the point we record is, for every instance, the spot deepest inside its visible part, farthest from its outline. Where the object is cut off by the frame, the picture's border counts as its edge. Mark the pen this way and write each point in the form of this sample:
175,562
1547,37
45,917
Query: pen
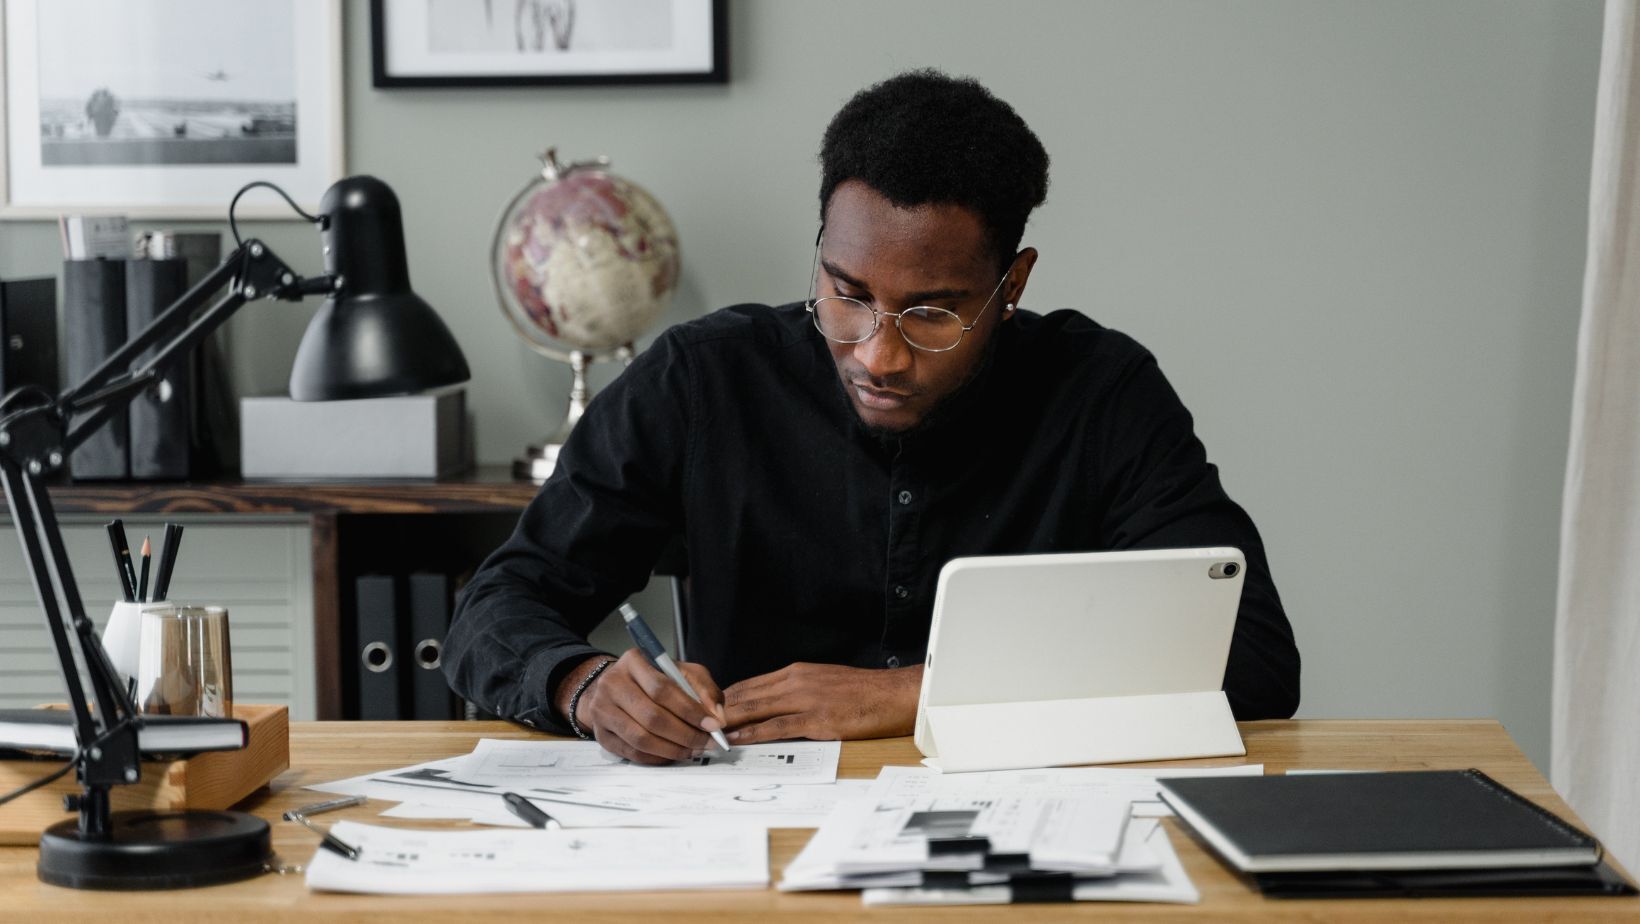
326,839
327,806
528,811
167,560
645,637
119,563
116,531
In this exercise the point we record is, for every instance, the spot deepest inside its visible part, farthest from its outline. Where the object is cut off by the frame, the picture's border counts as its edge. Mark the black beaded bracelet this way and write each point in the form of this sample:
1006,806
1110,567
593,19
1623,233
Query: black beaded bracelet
575,699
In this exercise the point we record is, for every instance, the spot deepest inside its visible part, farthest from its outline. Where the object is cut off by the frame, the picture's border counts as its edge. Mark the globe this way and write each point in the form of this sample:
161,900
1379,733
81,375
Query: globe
584,260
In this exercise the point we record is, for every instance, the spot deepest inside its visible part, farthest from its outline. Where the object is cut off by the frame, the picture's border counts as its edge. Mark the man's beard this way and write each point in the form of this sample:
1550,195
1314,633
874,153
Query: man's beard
945,410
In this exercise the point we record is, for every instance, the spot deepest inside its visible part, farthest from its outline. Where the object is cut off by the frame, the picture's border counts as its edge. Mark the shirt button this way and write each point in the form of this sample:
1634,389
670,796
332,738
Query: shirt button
901,592
905,497
893,661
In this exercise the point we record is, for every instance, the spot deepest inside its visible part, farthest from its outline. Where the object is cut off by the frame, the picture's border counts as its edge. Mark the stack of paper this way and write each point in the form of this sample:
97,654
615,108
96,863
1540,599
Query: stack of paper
922,837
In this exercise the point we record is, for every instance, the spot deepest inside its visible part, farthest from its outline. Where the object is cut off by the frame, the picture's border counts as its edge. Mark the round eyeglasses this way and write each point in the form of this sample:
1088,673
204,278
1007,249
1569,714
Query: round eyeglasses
848,320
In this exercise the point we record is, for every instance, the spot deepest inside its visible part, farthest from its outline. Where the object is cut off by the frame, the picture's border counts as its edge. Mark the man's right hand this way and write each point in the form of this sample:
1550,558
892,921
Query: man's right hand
637,712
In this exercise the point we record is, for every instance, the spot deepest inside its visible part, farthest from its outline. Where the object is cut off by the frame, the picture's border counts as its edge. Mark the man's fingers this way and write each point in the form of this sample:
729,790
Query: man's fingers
762,684
622,695
779,728
611,740
701,679
747,711
639,732
655,709
665,692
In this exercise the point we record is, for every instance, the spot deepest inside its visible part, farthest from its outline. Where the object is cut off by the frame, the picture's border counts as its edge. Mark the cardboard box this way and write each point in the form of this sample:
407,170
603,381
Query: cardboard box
407,436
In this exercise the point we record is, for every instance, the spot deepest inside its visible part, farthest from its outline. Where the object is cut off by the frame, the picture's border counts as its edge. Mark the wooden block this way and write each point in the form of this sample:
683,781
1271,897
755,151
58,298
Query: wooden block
218,779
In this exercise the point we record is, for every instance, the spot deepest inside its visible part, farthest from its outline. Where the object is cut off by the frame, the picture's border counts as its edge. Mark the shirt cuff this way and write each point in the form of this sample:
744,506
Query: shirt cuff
542,677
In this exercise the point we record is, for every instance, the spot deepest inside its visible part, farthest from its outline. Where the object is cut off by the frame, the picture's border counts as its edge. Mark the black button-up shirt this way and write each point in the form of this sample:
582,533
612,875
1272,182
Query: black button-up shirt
810,539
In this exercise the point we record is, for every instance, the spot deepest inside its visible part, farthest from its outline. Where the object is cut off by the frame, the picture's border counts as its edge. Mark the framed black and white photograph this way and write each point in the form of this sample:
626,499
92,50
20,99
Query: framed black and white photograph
163,108
501,43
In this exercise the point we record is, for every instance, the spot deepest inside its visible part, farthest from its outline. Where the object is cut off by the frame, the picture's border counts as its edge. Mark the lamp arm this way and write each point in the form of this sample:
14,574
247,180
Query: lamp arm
36,439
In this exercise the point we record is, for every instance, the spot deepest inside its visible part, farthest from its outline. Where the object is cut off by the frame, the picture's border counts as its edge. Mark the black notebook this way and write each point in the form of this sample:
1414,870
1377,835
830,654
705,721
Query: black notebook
1447,883
1420,820
53,730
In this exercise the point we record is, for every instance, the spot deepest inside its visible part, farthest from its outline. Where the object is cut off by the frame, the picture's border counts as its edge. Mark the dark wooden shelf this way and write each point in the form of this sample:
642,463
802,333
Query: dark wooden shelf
356,526
487,489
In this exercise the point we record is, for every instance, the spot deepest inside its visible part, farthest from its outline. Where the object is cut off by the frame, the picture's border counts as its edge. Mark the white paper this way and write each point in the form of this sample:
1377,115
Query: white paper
1169,883
430,786
1132,784
506,763
405,862
422,811
765,805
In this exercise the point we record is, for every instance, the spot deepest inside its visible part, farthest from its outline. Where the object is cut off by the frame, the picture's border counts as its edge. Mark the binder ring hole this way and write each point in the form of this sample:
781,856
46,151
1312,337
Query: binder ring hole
430,653
377,657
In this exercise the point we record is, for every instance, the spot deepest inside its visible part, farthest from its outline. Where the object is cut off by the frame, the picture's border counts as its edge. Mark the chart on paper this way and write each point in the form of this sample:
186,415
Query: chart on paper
496,763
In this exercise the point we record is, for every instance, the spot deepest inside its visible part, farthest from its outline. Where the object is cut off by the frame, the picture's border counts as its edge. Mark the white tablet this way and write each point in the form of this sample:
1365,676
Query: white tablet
1028,629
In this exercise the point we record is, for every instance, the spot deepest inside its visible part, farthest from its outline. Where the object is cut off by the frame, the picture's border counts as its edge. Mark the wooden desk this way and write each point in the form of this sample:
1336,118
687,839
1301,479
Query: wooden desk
331,750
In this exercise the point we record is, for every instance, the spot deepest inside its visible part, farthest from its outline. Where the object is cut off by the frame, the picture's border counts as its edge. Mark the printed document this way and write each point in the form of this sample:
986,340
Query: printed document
400,861
506,763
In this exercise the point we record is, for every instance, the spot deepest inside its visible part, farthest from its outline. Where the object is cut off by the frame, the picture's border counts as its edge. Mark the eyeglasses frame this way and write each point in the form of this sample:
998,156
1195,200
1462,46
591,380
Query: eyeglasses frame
877,314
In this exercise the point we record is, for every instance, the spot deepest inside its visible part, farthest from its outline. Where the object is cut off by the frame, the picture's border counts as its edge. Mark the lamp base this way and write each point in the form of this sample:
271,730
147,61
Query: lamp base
157,850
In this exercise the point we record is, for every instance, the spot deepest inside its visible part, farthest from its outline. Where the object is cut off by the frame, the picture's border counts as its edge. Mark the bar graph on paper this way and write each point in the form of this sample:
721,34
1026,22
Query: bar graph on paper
506,763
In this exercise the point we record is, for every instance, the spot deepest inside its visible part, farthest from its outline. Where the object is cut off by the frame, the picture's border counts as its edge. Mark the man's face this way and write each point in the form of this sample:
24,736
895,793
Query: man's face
894,258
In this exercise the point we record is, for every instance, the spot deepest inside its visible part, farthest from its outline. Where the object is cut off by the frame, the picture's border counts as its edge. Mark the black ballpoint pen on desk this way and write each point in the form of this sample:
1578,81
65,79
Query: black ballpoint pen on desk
528,811
645,637
326,839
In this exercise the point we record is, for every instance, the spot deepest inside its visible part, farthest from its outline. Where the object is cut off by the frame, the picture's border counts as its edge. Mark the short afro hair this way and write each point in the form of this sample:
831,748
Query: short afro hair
924,137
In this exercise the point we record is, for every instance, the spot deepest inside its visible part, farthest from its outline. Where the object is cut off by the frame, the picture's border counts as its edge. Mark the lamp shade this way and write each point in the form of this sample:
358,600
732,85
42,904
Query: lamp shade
374,336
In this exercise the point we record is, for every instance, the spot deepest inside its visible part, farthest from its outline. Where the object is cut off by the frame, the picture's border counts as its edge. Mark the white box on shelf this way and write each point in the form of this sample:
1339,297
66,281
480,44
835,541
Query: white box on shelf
406,436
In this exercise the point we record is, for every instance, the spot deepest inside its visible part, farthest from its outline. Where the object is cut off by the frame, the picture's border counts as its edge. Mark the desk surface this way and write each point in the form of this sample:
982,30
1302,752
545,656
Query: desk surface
331,750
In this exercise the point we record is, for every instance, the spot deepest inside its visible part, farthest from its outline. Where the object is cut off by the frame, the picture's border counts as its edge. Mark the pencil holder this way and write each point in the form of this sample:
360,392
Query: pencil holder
184,661
122,635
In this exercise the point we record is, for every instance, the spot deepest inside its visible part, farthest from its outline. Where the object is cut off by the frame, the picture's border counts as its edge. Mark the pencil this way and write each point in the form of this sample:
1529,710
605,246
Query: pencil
142,582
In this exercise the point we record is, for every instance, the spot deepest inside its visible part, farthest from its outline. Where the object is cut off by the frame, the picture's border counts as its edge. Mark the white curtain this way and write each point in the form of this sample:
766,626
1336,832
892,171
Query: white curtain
1596,755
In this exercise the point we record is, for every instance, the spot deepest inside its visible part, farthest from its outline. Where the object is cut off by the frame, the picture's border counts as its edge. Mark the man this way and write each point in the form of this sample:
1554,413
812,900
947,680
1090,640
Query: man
821,462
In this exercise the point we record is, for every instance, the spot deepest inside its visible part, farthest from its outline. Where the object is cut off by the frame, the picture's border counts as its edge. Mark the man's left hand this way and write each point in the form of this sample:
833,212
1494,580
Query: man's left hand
823,702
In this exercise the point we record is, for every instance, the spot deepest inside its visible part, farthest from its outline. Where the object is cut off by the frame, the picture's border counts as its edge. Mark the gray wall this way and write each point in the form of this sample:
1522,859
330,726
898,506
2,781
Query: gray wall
1353,232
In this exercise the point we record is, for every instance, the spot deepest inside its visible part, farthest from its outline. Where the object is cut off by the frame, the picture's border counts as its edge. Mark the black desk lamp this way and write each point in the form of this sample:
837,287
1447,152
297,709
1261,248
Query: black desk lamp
373,337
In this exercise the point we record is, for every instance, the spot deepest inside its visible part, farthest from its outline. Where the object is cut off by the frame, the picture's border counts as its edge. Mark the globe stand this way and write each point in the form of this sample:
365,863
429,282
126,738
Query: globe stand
611,254
539,460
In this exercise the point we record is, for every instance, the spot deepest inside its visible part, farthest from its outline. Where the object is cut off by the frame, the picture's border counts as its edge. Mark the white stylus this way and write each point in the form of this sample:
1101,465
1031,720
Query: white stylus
651,646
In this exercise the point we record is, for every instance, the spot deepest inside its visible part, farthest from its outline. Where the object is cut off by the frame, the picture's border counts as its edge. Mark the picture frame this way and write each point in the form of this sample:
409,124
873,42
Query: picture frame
530,43
165,109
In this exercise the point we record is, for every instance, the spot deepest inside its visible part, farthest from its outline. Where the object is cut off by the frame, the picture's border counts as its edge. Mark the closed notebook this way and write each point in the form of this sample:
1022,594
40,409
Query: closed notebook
1419,820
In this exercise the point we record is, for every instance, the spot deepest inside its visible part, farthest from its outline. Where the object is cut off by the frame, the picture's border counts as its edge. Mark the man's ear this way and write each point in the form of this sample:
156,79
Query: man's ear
1018,274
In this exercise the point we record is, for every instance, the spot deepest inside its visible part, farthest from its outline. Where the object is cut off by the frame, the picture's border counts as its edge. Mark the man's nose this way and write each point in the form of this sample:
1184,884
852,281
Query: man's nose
885,353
